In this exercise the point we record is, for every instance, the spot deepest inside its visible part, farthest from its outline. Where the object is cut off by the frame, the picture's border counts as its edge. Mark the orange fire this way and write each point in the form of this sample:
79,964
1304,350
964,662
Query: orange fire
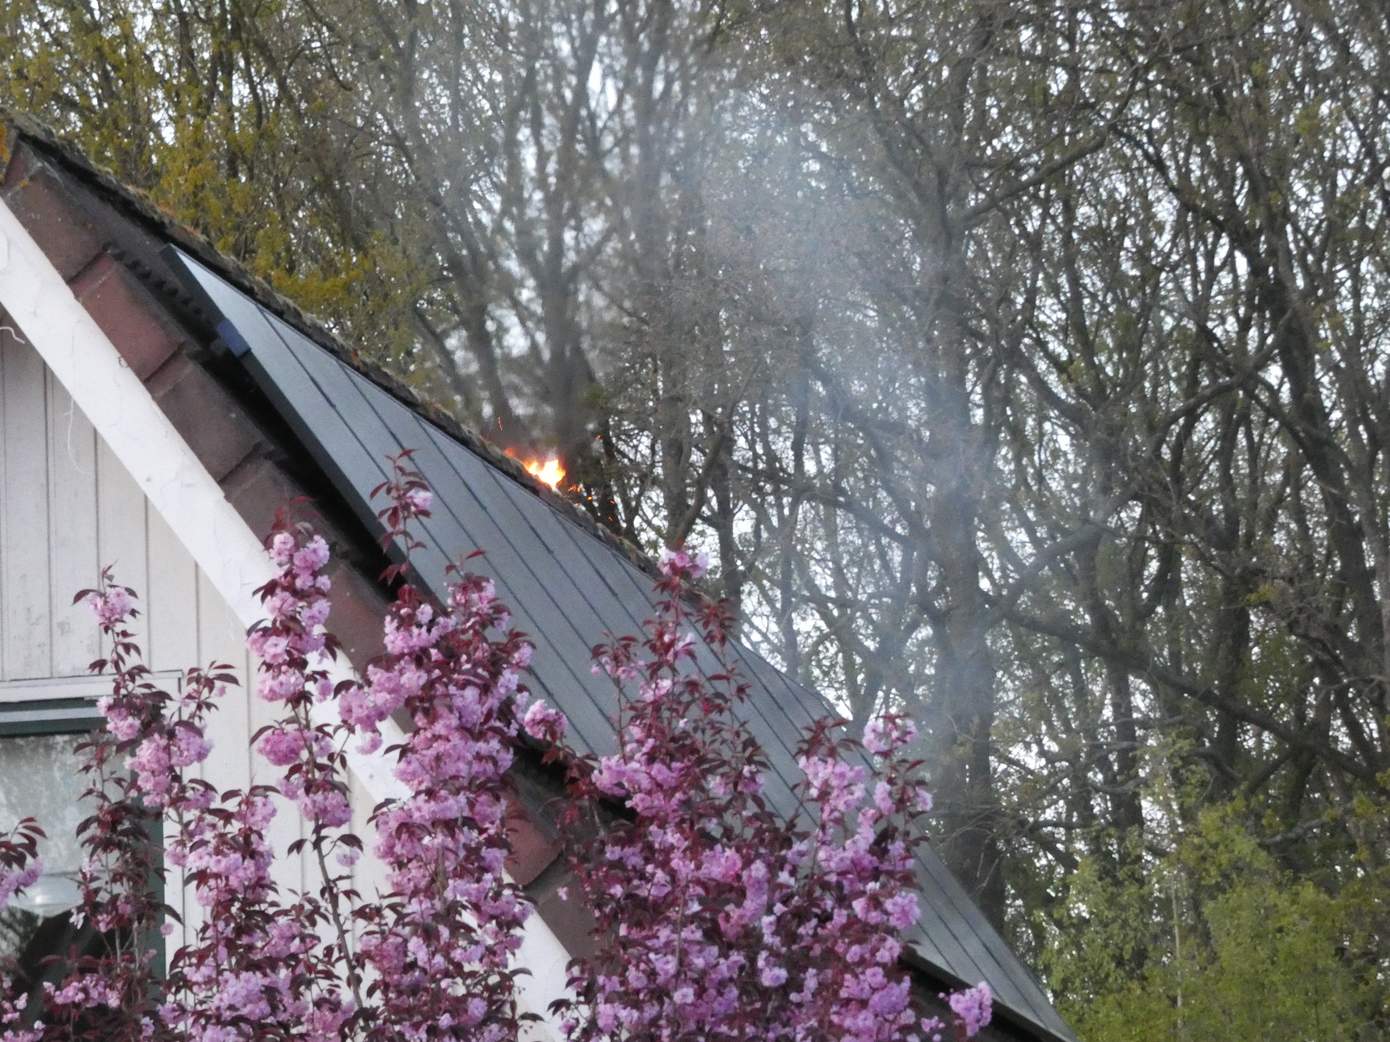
547,471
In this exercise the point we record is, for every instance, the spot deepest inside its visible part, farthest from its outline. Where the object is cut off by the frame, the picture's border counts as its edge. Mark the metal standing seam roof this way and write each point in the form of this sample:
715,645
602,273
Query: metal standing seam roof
567,588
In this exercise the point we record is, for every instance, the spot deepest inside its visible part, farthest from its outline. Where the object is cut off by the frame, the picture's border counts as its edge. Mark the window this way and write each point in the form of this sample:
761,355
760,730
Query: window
41,725
40,777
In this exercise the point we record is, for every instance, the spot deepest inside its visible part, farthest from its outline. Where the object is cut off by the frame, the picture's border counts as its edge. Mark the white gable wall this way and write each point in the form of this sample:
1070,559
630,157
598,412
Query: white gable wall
68,507
182,497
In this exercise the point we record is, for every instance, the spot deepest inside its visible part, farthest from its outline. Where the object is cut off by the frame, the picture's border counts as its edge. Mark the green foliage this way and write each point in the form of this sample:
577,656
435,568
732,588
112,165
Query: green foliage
1216,942
216,111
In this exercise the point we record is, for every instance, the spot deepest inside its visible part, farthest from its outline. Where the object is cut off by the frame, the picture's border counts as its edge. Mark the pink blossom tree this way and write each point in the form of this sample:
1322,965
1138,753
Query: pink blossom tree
717,918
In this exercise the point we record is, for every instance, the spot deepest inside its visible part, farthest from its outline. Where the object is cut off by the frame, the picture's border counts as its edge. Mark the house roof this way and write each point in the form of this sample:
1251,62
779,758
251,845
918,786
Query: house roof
569,582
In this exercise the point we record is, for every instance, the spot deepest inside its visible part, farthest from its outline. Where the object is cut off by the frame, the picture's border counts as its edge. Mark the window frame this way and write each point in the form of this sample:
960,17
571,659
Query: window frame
66,706
52,705
49,716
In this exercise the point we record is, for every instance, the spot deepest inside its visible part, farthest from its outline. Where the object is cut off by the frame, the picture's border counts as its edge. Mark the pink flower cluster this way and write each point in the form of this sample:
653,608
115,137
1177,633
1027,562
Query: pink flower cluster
973,1006
13,880
160,755
544,723
293,646
264,962
112,605
255,961
12,1015
443,945
717,917
678,561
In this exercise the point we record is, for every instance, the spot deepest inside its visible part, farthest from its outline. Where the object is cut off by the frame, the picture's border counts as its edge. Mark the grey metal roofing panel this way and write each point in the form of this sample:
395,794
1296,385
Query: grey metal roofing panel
789,717
567,589
789,708
340,414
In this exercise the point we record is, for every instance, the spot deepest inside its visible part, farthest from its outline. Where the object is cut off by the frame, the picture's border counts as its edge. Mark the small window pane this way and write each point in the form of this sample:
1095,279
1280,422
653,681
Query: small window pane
40,778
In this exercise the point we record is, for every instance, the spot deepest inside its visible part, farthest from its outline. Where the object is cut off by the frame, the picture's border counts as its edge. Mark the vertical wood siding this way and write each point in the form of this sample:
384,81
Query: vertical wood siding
68,507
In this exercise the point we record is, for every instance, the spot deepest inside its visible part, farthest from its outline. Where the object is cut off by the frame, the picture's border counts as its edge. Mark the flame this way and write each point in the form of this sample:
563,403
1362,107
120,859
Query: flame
547,471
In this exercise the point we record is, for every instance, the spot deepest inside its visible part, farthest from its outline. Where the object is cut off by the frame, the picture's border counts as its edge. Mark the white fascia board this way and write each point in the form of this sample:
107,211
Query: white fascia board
230,554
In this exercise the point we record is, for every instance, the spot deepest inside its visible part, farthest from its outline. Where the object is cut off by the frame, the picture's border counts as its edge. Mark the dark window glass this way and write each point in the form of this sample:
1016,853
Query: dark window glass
41,777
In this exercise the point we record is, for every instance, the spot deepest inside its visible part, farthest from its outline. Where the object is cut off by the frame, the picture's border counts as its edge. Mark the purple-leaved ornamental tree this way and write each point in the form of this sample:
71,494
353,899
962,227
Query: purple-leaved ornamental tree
716,917
719,917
